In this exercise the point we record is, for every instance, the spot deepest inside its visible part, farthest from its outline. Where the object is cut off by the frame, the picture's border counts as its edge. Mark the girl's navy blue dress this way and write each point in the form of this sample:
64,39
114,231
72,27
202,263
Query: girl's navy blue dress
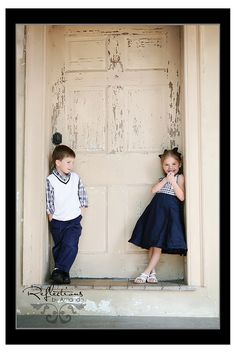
161,225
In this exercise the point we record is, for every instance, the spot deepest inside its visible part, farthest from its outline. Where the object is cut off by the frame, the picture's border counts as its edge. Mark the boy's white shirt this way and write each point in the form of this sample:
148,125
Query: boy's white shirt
66,200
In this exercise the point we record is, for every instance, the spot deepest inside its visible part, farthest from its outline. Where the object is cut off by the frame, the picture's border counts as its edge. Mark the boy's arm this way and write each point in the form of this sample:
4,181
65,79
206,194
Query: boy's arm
83,197
50,200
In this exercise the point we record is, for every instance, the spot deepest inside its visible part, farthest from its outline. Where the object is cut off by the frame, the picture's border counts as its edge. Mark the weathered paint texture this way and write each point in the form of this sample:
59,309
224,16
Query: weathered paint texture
174,113
58,100
114,54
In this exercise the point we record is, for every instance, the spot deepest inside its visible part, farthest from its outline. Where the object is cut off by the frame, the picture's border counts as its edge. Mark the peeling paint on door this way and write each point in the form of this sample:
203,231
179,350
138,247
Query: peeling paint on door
58,102
174,114
114,54
117,122
174,129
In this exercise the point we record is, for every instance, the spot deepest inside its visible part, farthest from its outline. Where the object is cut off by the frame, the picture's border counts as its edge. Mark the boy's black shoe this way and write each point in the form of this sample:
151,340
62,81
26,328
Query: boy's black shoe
57,277
66,278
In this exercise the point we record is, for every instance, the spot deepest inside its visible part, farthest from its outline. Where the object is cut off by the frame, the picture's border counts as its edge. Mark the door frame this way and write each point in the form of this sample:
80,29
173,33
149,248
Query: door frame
193,166
35,248
35,226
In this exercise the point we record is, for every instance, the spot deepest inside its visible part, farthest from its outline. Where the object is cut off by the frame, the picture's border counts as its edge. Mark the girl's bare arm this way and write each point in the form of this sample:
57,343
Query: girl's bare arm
157,187
178,188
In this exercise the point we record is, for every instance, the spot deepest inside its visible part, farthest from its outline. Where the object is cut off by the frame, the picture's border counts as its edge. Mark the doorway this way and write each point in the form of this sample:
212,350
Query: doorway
114,93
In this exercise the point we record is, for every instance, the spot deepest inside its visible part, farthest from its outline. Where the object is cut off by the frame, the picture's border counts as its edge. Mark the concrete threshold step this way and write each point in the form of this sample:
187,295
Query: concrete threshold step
128,283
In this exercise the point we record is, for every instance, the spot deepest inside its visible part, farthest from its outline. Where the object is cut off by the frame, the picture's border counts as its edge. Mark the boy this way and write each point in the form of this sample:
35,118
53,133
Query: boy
65,196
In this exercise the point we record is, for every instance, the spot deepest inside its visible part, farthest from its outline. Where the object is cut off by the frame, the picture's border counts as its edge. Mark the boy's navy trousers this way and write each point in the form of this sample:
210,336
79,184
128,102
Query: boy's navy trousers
65,235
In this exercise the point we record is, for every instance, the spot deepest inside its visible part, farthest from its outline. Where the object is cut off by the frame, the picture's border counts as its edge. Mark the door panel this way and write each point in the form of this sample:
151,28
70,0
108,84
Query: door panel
115,97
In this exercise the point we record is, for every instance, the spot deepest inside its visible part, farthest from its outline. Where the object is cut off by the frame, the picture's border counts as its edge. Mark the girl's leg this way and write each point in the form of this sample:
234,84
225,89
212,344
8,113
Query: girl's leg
150,253
154,256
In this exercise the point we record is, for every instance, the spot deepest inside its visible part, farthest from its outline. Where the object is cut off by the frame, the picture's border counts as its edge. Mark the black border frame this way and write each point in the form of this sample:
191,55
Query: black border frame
117,16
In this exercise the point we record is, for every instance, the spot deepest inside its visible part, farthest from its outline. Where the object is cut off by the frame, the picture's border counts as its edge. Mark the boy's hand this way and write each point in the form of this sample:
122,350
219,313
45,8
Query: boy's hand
50,217
82,210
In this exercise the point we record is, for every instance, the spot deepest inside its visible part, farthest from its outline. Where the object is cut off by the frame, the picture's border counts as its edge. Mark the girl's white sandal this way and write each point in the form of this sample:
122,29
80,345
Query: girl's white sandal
142,278
152,278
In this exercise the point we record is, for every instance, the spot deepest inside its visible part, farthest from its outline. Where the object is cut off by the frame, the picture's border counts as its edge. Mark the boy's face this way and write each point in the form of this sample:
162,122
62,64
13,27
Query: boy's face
65,165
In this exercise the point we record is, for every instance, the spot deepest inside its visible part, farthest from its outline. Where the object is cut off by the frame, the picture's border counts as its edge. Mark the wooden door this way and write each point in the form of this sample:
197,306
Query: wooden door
114,94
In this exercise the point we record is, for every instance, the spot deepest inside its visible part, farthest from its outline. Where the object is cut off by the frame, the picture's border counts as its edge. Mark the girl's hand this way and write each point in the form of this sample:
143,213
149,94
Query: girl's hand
170,178
157,187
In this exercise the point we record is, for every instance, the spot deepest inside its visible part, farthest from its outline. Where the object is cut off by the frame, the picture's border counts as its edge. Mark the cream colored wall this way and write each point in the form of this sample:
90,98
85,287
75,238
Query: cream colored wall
209,78
201,78
35,226
192,155
20,110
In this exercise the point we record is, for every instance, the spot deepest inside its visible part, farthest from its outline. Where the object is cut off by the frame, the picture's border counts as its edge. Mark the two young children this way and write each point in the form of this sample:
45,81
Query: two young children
160,229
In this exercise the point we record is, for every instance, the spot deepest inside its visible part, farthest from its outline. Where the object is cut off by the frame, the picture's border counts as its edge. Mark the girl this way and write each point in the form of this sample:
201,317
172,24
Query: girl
160,229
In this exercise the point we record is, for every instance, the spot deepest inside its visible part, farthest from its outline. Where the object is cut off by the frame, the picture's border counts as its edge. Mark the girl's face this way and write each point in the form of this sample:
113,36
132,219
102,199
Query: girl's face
171,165
65,165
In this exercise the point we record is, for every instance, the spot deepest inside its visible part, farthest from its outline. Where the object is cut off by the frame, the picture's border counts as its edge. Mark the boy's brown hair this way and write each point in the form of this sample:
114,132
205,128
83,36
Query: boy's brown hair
61,152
